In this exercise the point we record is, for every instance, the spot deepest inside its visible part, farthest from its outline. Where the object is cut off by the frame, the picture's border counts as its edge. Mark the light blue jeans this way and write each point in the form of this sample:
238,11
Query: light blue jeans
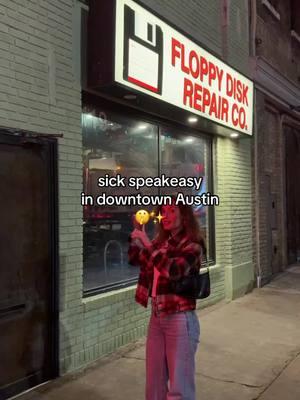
171,346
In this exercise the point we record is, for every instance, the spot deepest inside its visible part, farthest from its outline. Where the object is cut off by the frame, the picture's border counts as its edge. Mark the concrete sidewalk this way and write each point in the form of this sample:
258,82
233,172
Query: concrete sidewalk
250,349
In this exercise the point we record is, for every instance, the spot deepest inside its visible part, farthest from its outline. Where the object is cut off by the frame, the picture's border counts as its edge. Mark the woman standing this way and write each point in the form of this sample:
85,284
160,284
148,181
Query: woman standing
174,331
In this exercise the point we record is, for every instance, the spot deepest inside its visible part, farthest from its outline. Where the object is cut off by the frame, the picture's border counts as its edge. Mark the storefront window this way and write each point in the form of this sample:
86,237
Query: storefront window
115,144
185,155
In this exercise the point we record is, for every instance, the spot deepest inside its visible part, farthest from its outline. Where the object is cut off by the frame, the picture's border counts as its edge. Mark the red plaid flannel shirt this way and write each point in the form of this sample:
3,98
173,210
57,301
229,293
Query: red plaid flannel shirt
179,258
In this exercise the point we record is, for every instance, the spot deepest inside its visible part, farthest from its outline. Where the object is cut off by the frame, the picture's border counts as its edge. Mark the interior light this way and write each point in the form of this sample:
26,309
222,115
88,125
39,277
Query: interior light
192,120
89,115
189,140
142,127
234,135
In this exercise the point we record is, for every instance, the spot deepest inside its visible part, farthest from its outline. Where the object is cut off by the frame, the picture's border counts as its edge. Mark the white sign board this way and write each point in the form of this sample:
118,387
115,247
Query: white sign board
155,59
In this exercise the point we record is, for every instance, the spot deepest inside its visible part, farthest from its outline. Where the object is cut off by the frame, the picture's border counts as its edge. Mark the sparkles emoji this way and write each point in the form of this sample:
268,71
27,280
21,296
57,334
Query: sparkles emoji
159,217
152,214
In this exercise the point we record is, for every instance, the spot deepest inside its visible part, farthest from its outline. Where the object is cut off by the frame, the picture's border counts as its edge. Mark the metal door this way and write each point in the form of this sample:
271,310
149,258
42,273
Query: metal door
28,255
293,193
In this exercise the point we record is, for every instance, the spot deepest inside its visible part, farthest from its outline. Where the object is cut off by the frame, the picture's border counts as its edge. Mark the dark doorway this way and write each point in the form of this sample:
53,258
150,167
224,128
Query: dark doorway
28,257
293,193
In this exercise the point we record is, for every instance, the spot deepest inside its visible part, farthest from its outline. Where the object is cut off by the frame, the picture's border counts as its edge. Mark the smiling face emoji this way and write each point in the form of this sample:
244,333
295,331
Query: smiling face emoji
142,217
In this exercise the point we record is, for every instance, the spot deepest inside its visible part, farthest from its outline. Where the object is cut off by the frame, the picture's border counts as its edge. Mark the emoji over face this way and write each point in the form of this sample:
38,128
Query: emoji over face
142,217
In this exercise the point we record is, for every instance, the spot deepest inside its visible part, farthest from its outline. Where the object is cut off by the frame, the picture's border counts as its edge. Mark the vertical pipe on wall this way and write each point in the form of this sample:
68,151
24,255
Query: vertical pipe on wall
256,186
284,197
225,4
253,20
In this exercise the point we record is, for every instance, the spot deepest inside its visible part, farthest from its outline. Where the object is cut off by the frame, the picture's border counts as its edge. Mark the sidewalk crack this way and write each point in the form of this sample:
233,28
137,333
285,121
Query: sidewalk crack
132,357
230,381
286,364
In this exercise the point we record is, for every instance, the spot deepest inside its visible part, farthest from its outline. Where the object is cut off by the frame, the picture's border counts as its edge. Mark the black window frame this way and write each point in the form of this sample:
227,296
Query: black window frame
295,12
94,103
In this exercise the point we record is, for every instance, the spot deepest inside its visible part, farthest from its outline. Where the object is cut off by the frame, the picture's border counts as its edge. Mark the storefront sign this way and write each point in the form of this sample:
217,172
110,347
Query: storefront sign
155,59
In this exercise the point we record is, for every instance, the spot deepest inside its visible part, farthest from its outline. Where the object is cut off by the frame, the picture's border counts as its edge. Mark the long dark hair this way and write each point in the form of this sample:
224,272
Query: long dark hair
190,225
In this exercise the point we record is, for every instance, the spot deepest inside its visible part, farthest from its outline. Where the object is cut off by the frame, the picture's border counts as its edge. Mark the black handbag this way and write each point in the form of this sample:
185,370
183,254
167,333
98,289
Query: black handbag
193,286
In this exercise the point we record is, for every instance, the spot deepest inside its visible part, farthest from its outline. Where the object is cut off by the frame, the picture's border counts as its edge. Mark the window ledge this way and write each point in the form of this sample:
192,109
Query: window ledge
100,300
295,35
271,9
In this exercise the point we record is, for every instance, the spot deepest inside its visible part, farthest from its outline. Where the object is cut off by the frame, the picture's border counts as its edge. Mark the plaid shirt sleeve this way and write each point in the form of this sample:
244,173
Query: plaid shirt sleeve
176,263
137,255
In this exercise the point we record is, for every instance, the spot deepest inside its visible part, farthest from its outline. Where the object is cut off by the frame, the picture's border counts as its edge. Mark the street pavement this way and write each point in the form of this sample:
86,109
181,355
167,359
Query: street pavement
249,349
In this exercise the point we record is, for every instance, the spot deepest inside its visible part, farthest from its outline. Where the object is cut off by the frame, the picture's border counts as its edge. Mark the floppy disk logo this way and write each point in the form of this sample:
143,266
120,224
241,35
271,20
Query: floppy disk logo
143,52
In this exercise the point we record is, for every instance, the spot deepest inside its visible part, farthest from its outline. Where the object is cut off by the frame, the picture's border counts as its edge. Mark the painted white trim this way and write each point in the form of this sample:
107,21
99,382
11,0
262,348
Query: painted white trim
78,9
82,4
271,9
295,35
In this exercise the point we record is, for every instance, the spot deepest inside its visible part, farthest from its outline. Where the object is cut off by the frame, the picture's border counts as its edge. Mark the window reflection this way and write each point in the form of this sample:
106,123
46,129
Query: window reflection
116,144
186,155
113,145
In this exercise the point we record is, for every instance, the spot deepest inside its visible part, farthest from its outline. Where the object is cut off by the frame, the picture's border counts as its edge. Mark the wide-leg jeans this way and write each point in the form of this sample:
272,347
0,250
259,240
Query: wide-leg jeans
171,346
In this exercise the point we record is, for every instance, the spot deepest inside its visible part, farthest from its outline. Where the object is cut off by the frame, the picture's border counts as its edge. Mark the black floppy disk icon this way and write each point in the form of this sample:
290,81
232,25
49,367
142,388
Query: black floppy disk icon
143,51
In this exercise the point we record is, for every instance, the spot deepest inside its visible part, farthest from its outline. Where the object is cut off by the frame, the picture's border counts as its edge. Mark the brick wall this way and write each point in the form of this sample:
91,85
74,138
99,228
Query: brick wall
198,18
39,93
283,55
283,52
269,251
203,21
238,35
233,216
113,319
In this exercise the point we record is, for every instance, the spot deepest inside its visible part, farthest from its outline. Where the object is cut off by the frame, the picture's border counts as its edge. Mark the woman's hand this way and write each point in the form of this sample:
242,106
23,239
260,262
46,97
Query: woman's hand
141,236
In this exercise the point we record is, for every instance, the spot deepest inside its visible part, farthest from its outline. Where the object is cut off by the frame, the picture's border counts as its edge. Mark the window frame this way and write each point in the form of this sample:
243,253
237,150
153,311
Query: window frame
295,28
91,103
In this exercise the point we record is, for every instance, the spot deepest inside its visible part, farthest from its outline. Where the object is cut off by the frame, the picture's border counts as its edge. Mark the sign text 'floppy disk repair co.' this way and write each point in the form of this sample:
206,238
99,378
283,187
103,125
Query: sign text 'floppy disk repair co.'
155,59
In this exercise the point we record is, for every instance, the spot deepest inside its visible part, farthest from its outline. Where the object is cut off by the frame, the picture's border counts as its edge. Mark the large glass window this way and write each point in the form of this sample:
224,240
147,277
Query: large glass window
120,144
183,154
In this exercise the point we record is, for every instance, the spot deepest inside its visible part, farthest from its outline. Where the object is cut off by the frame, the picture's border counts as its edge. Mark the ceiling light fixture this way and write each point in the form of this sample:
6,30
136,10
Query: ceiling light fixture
192,120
